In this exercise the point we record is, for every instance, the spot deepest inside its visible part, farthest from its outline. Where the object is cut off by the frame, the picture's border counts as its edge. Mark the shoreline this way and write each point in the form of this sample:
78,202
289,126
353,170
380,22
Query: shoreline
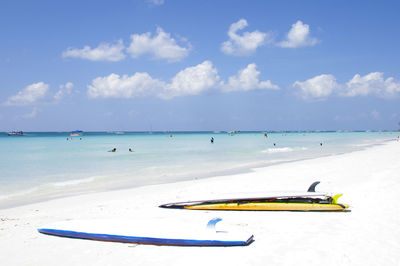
368,235
29,196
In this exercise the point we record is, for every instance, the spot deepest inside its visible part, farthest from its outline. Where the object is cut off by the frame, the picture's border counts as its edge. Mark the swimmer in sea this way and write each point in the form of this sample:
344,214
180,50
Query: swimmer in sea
130,150
113,150
212,140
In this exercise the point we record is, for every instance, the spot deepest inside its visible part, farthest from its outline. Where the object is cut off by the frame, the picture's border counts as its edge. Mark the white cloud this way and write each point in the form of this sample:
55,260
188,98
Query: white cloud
318,87
114,86
298,36
68,85
103,52
156,2
29,94
192,81
161,46
247,79
372,83
65,89
244,44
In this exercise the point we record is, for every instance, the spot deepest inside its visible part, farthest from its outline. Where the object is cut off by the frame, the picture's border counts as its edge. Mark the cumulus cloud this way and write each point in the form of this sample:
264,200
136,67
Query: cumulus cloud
103,52
159,46
247,79
192,81
298,36
115,86
29,95
373,83
64,90
318,87
246,43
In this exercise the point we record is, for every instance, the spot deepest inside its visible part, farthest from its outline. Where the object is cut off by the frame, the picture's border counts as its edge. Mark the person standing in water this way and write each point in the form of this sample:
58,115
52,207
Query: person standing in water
212,140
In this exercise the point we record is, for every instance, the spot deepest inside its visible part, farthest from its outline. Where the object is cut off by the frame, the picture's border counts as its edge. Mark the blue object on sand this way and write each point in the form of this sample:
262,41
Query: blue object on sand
113,231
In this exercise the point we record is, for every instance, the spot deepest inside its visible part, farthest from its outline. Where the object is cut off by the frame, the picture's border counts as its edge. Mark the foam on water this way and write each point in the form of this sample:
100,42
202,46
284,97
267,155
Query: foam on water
40,166
274,150
74,182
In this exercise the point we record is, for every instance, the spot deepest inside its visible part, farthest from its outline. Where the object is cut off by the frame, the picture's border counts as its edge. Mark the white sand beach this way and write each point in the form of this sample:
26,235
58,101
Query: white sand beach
368,235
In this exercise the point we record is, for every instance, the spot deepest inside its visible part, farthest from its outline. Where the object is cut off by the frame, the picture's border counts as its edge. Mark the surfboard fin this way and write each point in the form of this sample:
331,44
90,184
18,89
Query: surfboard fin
312,187
211,224
335,198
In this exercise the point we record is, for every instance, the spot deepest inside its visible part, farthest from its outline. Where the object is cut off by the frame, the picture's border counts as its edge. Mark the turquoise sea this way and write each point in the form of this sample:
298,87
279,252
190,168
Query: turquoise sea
43,165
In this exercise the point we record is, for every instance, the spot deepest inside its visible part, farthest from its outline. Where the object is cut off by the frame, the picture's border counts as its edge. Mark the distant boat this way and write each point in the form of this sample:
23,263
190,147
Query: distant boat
233,132
76,133
15,133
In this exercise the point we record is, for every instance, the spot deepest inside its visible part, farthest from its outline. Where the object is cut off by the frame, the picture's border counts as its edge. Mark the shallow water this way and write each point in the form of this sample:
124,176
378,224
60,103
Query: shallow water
39,166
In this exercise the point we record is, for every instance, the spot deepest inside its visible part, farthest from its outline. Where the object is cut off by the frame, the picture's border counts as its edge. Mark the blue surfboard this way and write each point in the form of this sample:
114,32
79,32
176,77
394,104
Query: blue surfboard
146,233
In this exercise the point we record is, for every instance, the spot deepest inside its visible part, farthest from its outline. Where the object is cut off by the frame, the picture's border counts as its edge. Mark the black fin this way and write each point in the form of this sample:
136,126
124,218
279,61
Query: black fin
312,187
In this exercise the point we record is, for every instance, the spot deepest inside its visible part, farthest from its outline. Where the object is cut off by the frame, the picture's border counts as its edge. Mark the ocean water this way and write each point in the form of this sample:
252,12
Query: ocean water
41,166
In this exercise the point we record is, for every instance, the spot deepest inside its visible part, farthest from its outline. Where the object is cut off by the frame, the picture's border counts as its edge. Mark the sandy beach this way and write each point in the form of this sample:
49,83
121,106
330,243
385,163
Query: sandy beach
193,133
368,235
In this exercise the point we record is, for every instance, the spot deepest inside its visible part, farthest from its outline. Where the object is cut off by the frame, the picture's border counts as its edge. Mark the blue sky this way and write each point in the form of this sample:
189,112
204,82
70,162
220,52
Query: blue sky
199,65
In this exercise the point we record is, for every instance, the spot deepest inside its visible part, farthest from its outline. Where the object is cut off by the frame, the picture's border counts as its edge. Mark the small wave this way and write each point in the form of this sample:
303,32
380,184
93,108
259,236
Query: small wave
73,182
18,194
359,145
43,192
45,188
275,150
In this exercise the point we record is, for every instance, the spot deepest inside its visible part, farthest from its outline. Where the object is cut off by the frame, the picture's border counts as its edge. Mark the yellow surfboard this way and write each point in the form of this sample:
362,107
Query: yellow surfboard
309,201
285,203
269,207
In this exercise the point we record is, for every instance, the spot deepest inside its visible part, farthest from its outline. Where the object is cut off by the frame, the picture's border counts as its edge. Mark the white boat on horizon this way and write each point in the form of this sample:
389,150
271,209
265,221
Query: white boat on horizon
76,133
15,133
